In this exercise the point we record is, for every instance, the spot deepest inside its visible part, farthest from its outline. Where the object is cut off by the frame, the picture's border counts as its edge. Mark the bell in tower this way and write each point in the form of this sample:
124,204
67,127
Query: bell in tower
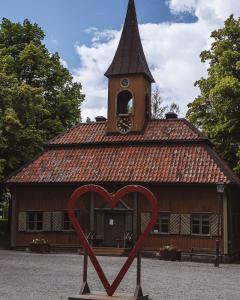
129,85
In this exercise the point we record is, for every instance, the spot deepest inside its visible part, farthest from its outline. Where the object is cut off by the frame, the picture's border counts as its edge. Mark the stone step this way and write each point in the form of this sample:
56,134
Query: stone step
103,296
109,251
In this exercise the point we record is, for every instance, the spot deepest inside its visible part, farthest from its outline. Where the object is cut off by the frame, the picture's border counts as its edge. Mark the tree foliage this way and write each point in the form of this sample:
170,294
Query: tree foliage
38,98
217,109
158,109
89,121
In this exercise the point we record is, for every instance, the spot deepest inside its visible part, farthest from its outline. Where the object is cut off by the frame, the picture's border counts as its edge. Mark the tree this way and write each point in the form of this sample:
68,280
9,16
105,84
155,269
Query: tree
217,109
158,109
38,98
89,121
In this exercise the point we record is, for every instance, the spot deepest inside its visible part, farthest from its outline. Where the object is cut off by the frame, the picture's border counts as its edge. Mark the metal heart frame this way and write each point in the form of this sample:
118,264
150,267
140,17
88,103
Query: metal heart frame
112,200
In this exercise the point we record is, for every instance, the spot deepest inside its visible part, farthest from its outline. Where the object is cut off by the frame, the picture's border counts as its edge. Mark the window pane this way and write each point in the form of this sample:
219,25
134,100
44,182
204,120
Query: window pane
30,225
196,219
205,229
164,228
35,221
156,228
200,224
39,225
196,229
67,225
205,218
205,224
164,223
31,217
196,224
39,216
65,217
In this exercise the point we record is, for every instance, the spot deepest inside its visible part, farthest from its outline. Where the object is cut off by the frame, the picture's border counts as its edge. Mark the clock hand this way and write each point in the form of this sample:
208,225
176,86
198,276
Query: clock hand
124,124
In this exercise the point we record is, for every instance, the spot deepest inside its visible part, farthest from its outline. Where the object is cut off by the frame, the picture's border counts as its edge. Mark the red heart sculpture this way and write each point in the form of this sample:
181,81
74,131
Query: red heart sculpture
112,200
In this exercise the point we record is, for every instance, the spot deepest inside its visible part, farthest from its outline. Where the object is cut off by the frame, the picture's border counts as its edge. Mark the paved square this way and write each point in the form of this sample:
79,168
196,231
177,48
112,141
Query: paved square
27,276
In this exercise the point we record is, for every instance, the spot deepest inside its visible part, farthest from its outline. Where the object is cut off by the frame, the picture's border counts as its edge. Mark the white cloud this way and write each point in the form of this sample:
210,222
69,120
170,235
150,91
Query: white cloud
209,11
172,51
91,30
54,41
63,63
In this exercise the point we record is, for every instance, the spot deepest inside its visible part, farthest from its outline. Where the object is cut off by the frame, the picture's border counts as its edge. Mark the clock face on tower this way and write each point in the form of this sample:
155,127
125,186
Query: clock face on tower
124,82
124,124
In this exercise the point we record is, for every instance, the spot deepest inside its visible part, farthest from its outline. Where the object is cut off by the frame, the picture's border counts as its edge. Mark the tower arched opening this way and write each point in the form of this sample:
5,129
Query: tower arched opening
147,107
124,103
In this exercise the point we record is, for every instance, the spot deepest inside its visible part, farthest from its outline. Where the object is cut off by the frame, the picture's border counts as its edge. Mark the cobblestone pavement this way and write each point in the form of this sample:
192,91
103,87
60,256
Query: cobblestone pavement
26,276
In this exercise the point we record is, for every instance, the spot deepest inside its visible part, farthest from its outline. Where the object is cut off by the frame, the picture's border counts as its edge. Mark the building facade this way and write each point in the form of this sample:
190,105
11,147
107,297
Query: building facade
198,193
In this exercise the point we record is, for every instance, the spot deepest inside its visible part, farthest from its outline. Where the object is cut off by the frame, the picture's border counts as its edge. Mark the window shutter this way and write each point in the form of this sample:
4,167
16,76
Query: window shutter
129,223
214,225
186,224
47,218
22,221
57,221
174,223
145,218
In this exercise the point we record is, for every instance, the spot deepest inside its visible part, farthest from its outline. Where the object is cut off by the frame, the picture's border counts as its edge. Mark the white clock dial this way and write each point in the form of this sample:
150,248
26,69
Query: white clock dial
125,82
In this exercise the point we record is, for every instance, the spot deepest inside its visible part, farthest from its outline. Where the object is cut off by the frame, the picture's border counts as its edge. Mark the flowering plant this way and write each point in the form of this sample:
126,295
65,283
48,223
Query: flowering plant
168,248
39,241
170,252
40,245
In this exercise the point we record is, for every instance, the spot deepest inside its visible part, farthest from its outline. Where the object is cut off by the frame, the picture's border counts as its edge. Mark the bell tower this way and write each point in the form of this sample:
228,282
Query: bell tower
129,81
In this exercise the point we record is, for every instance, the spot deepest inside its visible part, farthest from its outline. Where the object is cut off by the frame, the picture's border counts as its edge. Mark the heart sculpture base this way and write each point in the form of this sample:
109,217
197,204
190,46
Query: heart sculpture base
103,296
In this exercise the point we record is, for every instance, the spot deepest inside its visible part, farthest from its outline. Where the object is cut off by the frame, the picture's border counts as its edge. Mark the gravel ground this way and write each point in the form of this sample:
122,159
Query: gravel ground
27,276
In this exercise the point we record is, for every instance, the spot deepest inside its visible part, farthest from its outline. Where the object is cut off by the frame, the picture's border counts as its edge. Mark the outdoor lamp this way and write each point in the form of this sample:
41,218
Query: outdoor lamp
220,188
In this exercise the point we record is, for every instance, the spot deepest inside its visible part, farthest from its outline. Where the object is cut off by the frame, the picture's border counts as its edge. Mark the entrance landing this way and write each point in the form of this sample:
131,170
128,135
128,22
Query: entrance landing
103,296
109,251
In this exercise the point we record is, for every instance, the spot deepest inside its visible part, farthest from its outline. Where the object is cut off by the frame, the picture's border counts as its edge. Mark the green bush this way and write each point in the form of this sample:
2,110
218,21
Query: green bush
3,225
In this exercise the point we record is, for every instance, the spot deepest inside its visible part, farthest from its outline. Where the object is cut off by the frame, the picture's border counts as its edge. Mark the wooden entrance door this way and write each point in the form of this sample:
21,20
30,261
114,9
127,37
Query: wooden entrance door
114,228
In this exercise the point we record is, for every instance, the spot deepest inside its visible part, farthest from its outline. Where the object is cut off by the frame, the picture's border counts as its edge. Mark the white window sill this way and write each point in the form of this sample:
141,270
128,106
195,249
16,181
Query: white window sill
160,233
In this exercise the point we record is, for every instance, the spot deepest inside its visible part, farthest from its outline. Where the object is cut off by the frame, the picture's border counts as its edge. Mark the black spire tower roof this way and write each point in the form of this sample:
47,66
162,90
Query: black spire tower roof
130,58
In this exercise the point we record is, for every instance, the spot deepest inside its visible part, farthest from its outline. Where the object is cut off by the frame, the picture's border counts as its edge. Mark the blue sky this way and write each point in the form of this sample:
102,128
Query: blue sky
173,32
64,22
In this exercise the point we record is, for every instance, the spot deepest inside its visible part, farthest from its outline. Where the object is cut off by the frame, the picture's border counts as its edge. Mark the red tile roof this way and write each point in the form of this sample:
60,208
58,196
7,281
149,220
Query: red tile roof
156,130
169,151
189,164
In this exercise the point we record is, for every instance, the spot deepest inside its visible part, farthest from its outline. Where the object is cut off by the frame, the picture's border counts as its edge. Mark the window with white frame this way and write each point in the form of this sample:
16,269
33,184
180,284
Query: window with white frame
67,224
200,224
163,223
35,221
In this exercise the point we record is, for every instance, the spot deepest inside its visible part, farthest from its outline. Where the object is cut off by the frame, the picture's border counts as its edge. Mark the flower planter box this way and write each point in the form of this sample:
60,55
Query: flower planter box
172,255
40,248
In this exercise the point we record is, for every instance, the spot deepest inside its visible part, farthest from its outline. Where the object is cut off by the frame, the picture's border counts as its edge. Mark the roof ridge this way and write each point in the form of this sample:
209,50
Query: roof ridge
144,143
